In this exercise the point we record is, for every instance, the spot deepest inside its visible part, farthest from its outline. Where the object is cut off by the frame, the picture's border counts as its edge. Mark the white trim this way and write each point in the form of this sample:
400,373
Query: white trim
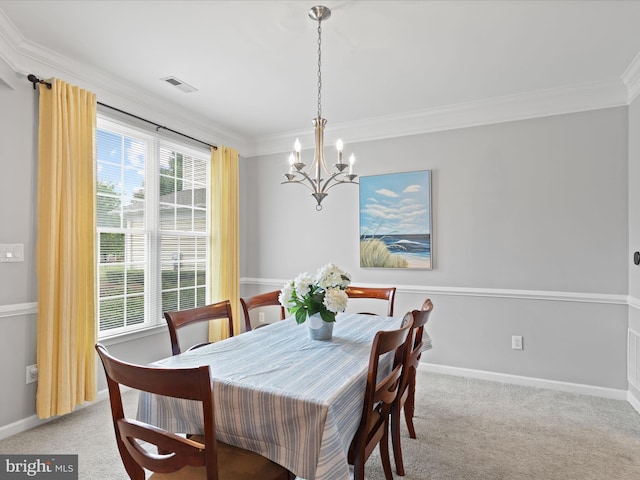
33,421
631,79
582,389
108,340
481,292
635,403
633,302
25,57
18,309
508,108
633,375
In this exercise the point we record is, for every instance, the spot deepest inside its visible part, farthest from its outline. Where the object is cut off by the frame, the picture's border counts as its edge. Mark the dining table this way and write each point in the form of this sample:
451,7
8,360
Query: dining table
294,400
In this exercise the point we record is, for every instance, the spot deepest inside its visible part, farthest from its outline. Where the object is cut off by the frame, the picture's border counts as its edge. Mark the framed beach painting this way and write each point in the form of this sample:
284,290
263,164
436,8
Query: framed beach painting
395,220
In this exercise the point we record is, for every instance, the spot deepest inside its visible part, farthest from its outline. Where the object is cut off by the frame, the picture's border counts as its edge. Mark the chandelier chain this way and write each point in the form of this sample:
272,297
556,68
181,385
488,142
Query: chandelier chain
319,68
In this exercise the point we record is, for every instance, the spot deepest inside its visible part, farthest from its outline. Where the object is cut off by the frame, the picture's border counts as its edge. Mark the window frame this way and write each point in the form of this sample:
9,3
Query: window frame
153,311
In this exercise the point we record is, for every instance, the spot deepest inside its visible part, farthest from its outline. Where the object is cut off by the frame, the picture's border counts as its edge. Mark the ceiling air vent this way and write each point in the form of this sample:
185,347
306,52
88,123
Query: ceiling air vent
179,84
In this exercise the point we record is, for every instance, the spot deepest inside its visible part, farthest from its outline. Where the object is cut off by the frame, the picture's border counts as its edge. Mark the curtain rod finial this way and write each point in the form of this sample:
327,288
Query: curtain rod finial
33,79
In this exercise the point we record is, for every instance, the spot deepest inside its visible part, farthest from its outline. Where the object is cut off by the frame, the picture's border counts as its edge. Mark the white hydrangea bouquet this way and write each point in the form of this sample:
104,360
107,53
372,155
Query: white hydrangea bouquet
323,294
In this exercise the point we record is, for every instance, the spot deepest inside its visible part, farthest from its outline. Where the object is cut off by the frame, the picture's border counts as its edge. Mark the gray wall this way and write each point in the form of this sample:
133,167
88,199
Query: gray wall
18,192
528,206
518,208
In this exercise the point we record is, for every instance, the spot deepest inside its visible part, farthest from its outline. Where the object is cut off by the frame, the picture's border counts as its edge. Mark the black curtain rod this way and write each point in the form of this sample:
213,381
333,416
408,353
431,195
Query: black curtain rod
33,79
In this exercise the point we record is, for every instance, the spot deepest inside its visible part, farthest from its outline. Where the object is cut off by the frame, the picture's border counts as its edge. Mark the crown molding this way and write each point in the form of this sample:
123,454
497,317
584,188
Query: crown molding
26,57
543,103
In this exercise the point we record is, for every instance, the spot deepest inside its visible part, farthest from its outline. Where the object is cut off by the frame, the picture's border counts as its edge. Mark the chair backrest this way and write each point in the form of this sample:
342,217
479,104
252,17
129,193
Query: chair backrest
420,319
267,299
387,294
415,343
178,319
380,394
176,451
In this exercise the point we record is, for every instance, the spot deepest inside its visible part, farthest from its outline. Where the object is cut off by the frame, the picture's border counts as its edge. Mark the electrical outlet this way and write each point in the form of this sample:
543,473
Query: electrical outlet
261,317
32,373
516,342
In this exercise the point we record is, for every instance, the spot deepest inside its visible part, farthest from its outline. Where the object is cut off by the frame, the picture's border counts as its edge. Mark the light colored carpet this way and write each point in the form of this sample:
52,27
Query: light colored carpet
467,430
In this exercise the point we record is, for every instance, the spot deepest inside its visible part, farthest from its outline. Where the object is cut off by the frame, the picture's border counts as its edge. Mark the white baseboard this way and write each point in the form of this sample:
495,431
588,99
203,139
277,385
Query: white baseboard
635,402
33,421
578,388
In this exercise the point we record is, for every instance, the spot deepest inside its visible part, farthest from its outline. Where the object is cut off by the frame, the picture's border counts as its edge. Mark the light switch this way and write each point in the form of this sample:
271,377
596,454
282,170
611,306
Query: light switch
11,252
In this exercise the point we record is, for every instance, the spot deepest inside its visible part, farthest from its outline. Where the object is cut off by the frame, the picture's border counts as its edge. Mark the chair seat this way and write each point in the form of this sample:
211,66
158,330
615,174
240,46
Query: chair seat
234,463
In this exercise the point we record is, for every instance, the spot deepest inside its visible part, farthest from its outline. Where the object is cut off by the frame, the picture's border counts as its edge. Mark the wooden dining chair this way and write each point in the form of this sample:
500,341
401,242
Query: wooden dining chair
379,396
407,390
387,294
178,319
171,456
267,299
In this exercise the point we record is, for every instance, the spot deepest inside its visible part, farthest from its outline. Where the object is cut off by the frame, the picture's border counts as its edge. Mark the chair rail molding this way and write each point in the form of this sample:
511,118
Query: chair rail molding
18,309
548,295
633,302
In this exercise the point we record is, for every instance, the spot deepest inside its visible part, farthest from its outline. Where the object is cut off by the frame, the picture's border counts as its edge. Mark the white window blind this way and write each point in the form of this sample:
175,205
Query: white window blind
152,227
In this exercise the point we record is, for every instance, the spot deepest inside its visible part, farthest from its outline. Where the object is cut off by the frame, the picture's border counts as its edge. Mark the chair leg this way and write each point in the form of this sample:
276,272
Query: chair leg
395,439
409,408
358,468
384,455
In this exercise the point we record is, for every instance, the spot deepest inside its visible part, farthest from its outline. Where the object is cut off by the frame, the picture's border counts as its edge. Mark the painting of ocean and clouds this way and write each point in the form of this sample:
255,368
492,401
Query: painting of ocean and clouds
395,220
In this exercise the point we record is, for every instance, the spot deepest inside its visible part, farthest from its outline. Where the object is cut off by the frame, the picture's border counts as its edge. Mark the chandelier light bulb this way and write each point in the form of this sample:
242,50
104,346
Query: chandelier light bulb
352,160
339,147
297,147
292,160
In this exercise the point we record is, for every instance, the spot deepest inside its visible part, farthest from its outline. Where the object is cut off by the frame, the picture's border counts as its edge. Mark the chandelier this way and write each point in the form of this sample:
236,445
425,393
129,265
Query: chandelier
312,178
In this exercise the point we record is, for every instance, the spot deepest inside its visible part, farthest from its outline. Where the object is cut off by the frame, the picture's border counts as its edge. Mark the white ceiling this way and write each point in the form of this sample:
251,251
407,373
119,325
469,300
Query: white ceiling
254,62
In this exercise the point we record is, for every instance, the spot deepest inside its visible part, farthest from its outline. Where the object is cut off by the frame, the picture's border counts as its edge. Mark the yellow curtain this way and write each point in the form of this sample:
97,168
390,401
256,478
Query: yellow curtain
66,249
225,237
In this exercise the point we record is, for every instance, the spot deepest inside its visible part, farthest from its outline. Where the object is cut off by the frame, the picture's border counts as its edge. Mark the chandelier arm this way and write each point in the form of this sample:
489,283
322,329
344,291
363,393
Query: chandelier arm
338,182
300,182
326,185
312,184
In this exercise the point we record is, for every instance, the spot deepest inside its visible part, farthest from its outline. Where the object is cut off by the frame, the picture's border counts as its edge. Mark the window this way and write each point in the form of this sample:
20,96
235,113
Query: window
152,227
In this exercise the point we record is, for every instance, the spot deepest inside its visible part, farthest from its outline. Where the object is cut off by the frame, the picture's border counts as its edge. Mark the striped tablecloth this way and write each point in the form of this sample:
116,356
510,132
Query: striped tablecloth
276,392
